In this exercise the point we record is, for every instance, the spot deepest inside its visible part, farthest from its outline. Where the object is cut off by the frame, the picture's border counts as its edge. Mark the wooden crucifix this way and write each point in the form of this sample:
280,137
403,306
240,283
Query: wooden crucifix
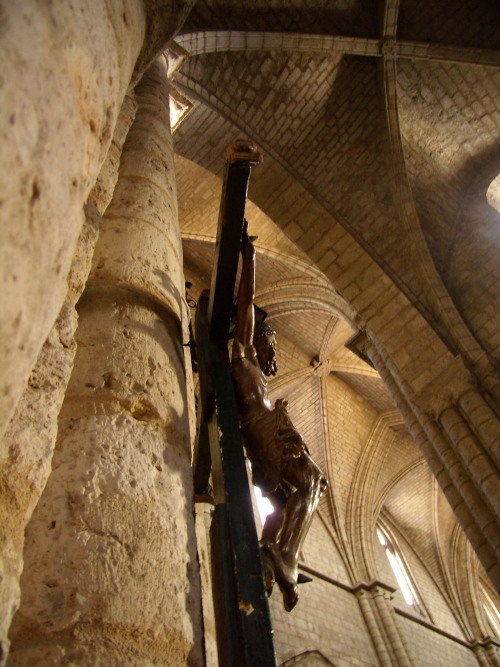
244,633
281,462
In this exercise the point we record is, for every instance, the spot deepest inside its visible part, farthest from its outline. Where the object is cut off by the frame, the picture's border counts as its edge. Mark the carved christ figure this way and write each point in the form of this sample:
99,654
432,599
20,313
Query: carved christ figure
281,464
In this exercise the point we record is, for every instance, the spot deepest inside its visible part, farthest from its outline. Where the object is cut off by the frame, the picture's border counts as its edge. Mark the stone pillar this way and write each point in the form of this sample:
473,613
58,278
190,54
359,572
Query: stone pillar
482,420
111,575
383,654
30,439
457,448
66,67
104,187
31,434
375,601
486,652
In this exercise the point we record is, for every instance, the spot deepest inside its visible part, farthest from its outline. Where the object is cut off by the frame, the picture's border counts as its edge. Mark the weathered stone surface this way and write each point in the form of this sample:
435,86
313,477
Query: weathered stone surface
56,125
126,360
26,458
80,266
111,575
100,584
27,446
102,192
141,244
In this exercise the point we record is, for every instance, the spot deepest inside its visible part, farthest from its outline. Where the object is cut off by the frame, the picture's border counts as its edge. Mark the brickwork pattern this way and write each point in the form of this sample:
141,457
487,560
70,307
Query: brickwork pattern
199,201
324,182
434,650
321,554
288,201
306,328
318,101
475,275
450,191
405,456
410,250
433,115
349,420
198,265
289,357
328,619
433,597
271,270
451,22
372,389
439,204
415,349
316,17
399,452
343,357
340,257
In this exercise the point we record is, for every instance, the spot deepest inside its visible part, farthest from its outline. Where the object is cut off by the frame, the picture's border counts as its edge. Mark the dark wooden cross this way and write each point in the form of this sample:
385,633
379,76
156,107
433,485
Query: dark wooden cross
244,633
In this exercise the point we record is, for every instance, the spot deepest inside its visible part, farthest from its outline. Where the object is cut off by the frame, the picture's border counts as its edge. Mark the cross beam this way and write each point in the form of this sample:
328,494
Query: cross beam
244,633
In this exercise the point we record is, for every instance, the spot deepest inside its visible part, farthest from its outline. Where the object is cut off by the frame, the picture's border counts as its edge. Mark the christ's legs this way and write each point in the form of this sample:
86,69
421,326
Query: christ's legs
284,539
310,483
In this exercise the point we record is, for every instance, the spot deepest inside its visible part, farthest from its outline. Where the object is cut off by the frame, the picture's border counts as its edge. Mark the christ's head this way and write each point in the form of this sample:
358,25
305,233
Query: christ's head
264,341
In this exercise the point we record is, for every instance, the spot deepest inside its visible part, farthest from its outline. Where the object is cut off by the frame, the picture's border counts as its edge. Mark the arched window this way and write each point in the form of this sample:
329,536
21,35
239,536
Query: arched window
401,572
491,609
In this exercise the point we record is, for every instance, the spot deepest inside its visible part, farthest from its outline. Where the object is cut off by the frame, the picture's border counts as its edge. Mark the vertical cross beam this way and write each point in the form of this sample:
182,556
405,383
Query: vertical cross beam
244,632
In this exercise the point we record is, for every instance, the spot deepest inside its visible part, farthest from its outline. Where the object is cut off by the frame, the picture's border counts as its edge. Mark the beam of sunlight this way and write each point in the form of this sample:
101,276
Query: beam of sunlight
263,504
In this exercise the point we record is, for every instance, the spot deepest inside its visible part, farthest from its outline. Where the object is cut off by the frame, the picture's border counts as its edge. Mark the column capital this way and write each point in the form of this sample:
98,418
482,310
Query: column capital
373,586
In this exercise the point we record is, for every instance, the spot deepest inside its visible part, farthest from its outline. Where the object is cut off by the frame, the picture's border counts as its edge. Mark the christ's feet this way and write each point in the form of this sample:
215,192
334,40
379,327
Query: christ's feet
275,569
268,570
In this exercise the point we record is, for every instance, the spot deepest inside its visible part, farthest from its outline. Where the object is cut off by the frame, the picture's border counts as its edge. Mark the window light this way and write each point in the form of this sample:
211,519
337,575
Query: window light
491,610
263,505
399,569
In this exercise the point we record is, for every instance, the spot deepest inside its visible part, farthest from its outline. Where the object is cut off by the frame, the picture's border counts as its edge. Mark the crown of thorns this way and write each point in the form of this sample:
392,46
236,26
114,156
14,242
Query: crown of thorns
263,329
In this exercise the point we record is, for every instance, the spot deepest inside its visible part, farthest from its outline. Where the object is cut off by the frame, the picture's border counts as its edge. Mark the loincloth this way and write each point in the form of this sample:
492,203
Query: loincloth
271,440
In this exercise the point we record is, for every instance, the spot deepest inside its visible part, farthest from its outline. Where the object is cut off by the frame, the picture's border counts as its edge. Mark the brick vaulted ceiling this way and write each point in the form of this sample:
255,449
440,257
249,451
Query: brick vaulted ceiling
381,117
386,114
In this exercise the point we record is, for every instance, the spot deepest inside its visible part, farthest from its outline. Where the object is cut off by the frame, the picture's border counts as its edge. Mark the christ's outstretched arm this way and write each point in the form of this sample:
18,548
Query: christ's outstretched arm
245,317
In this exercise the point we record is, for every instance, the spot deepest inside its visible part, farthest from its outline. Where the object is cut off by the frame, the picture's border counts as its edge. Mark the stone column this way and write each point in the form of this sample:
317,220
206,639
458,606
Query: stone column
102,192
383,654
455,429
66,67
31,434
486,652
375,601
111,575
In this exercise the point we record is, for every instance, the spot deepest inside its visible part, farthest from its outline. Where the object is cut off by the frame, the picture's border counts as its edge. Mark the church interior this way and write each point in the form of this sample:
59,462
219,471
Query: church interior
376,211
